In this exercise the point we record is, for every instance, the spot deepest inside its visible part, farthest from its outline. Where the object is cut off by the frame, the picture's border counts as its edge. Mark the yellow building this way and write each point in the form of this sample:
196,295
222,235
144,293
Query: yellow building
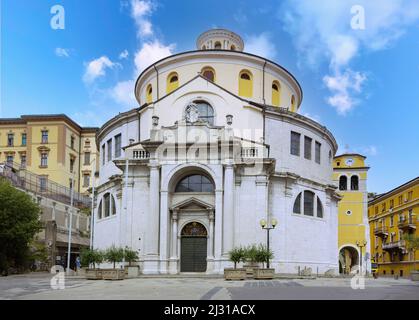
51,146
350,174
391,216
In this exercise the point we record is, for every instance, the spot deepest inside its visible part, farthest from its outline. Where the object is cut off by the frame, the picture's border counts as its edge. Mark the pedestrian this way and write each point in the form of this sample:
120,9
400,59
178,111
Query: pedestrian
78,264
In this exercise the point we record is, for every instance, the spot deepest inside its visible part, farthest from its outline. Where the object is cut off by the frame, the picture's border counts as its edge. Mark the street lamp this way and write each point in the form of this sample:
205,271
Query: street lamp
70,226
268,226
360,245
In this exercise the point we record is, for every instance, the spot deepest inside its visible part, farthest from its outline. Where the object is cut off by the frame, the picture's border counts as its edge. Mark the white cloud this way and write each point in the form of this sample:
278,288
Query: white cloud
140,10
343,86
61,52
260,45
97,68
369,151
123,93
321,31
124,54
151,52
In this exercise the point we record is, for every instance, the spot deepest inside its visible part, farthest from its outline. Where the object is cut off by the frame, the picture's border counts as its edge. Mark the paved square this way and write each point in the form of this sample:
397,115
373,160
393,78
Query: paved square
37,286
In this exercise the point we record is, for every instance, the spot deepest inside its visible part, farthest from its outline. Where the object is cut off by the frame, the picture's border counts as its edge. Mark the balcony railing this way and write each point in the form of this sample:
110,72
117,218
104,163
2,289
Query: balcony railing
407,223
381,231
140,154
394,245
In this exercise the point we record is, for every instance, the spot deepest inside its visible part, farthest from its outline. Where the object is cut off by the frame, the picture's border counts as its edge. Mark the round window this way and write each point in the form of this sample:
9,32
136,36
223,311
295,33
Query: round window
349,212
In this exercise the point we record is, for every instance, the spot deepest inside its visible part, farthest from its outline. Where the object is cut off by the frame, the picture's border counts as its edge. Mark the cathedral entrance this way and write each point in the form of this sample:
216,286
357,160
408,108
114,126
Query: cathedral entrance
193,252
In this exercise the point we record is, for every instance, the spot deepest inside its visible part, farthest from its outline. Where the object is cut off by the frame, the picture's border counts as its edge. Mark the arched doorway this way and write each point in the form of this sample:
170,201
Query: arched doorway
348,259
193,252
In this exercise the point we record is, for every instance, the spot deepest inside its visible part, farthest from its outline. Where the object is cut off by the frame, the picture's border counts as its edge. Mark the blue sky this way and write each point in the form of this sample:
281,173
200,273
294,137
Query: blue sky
363,84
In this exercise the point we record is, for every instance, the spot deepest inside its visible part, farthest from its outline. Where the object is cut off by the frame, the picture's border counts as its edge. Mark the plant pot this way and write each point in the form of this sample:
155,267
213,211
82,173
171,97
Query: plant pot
113,274
250,269
235,274
81,272
93,274
414,275
264,273
132,271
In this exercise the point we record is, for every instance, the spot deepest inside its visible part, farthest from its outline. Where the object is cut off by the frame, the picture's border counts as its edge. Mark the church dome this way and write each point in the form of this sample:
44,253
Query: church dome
219,39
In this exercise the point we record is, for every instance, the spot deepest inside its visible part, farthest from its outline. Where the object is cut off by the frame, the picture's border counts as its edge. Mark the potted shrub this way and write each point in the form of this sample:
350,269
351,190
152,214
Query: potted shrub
264,255
131,256
412,242
236,255
114,255
252,264
90,257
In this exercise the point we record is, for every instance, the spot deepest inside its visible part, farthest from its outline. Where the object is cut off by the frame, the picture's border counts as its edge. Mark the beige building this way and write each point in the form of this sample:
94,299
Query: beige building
54,147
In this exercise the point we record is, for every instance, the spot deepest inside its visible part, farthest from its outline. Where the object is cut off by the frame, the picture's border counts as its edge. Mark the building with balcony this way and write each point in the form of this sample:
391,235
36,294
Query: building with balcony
391,216
217,144
350,174
54,147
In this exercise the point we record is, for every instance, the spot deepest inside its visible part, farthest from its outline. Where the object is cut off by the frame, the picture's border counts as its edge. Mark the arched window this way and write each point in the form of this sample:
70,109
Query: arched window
149,94
276,93
343,183
319,208
354,183
208,73
330,156
233,47
172,82
245,84
292,103
206,112
217,45
99,210
107,206
204,47
297,204
195,183
307,203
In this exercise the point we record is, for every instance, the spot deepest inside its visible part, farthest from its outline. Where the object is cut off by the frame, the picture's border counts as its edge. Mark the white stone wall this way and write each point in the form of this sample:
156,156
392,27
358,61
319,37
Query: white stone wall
278,137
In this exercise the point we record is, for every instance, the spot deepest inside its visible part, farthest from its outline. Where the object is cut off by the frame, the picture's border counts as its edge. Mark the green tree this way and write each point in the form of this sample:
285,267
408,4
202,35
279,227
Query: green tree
130,255
114,255
19,222
412,245
237,255
88,257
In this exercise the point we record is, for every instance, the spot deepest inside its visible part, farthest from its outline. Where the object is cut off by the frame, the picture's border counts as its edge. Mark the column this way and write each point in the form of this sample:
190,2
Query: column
151,257
218,235
228,218
173,261
210,246
164,232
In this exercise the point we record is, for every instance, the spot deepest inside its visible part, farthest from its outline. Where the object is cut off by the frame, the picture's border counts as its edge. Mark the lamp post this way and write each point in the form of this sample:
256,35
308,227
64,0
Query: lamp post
92,215
360,245
70,226
268,226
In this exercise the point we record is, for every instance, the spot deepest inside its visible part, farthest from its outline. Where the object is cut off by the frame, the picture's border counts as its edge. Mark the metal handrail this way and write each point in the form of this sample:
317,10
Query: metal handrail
24,179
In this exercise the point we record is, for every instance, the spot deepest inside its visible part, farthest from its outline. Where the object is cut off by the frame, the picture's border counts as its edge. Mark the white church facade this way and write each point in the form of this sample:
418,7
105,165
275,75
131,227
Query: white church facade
217,144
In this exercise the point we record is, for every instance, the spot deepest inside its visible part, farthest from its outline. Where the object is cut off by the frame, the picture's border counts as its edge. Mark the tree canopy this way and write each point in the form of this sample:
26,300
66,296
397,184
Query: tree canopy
19,222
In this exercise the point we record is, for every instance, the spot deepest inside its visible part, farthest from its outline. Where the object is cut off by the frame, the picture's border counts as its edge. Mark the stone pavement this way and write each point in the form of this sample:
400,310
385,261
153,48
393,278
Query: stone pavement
36,286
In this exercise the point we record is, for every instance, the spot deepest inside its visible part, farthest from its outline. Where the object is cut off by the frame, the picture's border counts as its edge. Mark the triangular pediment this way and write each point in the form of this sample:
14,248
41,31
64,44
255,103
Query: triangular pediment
190,204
